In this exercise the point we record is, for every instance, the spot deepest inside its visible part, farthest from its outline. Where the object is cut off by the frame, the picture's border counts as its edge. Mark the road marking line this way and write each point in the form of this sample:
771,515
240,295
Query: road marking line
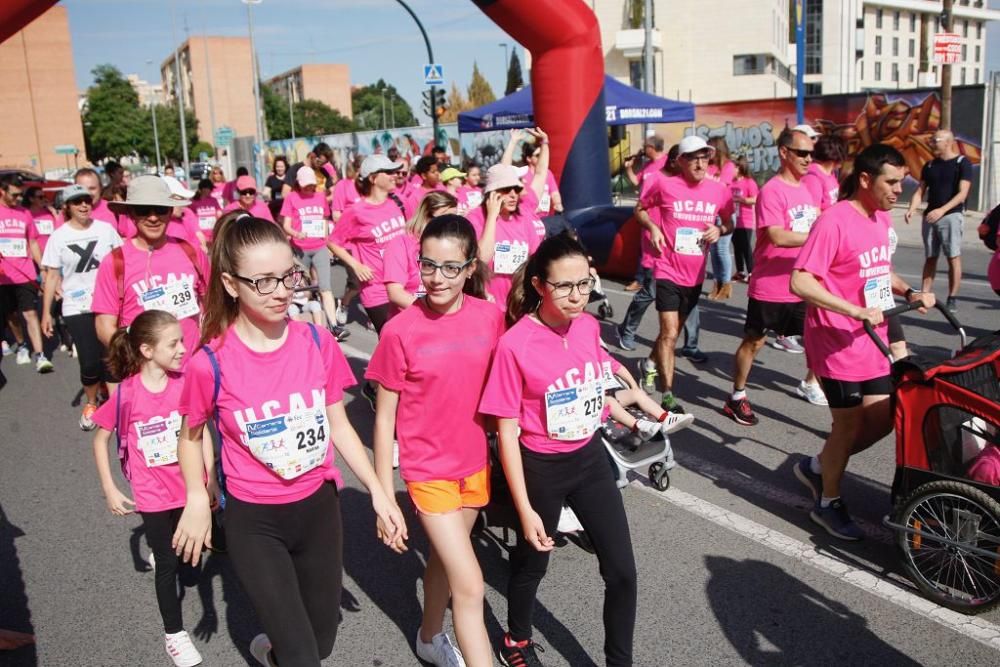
980,630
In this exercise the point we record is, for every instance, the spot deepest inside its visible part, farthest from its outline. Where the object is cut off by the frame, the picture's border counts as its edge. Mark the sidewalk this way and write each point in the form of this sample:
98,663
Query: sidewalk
909,234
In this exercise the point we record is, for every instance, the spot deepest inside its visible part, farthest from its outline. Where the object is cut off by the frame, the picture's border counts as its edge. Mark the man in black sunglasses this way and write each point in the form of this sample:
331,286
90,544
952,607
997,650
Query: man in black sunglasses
786,211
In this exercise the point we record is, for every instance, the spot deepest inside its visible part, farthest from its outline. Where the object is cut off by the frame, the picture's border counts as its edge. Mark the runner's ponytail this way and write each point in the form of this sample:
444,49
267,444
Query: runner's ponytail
124,357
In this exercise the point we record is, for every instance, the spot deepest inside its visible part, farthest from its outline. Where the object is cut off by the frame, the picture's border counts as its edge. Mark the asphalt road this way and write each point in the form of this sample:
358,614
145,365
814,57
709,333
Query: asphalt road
731,570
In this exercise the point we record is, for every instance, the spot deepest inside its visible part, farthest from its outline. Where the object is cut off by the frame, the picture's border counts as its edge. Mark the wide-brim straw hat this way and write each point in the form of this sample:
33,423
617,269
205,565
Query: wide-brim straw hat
147,191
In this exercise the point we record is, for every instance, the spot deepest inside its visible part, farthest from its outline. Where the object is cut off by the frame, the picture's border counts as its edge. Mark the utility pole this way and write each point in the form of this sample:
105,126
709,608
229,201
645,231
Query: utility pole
800,62
383,109
392,108
647,54
430,60
179,87
156,133
211,101
946,23
291,113
261,165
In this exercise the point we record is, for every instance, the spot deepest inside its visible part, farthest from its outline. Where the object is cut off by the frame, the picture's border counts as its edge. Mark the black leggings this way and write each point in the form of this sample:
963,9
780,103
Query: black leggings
160,528
378,315
289,559
89,348
583,479
743,249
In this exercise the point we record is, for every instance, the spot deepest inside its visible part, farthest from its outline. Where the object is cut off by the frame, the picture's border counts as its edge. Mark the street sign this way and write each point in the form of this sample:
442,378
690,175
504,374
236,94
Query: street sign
66,149
433,75
947,48
224,136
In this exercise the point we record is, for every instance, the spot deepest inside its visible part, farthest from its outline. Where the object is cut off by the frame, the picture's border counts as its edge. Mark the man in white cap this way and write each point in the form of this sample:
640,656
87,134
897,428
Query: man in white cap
807,130
688,205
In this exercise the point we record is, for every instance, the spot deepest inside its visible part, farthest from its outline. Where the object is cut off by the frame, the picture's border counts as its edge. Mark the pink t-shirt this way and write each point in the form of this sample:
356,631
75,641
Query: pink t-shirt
651,167
686,211
530,360
400,263
219,194
146,414
149,278
745,187
416,195
438,365
849,254
257,389
726,176
184,227
824,187
516,238
314,210
207,212
789,207
993,272
17,231
259,209
345,193
469,198
45,223
366,230
647,253
544,206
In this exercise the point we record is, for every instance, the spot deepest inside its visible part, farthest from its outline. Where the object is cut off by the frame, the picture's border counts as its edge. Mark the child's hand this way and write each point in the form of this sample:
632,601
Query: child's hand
214,493
118,502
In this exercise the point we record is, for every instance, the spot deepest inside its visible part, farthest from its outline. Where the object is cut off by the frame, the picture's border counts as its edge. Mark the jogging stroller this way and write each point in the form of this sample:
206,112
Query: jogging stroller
946,491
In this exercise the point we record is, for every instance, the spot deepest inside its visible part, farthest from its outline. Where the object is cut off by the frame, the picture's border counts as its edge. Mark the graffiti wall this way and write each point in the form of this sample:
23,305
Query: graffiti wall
905,120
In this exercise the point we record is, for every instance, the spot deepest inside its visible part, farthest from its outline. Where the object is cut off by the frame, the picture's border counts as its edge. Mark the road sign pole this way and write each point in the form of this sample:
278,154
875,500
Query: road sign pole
430,59
946,72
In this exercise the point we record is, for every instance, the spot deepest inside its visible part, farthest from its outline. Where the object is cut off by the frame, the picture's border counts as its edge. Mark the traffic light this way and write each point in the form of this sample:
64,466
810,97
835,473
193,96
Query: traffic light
434,102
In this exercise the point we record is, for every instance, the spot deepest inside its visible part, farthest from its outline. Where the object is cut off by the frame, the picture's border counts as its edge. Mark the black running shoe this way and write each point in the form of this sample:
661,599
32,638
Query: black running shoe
740,411
519,654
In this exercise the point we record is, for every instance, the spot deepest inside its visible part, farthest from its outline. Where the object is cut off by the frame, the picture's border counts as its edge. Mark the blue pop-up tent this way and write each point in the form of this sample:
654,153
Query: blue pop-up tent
623,105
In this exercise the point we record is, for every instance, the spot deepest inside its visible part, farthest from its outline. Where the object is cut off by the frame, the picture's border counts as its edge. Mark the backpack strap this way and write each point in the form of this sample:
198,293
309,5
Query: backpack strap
216,386
120,441
192,255
315,334
399,202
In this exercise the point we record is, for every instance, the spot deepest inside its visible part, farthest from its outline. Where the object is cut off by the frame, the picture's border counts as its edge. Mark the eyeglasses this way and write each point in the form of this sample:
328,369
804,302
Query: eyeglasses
245,193
144,211
699,157
449,270
268,284
801,152
80,201
584,287
506,191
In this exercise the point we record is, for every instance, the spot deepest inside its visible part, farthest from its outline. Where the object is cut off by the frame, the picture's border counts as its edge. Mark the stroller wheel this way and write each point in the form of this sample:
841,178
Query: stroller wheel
950,547
659,476
605,311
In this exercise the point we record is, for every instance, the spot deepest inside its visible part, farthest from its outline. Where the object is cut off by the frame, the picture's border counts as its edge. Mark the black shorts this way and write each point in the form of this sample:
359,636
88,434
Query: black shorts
895,332
674,298
20,298
784,319
848,394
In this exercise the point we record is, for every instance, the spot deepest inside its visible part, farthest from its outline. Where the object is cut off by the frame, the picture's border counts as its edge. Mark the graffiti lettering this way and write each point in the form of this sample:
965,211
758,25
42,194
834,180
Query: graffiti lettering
756,142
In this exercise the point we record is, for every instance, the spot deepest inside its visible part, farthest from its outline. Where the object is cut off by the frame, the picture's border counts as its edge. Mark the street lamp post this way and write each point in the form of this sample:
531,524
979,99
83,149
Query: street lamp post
291,113
179,87
383,108
261,164
430,59
156,133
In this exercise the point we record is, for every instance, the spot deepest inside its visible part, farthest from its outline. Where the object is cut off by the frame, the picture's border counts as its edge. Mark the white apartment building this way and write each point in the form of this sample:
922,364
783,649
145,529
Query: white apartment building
725,50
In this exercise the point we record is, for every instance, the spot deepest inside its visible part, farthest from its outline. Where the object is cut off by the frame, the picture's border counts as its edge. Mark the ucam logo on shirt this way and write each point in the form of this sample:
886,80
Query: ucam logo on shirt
874,262
383,230
269,410
575,377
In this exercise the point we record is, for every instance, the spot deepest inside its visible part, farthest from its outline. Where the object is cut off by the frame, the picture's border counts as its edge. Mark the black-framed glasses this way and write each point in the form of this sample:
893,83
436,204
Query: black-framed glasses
247,192
268,284
145,210
801,152
584,287
449,270
79,200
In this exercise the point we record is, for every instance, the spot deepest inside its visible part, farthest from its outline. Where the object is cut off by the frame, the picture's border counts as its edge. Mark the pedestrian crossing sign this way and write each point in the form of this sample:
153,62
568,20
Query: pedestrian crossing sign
433,75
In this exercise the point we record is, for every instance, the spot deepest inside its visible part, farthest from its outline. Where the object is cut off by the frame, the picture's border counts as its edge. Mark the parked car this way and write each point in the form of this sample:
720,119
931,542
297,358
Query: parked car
31,179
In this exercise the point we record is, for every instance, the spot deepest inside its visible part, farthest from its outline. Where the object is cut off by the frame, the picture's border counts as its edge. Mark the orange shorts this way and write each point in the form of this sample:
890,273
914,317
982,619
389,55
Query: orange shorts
446,496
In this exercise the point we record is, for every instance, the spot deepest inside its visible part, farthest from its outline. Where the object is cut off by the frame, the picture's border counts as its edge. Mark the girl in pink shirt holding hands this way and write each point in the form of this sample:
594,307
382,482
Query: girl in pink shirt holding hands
436,354
145,411
275,391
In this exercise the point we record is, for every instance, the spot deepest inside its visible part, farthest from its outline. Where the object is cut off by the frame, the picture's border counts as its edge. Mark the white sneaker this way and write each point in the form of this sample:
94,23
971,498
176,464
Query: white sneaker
440,651
181,650
675,422
812,393
568,523
152,561
788,344
647,430
23,356
6,349
260,649
43,365
341,314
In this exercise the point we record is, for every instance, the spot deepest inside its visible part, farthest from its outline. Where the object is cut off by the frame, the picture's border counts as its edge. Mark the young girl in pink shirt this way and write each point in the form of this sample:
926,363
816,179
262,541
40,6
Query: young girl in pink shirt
437,353
145,412
546,389
274,389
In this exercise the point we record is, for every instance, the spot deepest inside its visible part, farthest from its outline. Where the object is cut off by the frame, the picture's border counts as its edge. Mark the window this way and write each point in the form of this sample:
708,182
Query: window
895,20
895,72
977,53
895,46
965,52
963,76
635,73
814,89
878,45
913,48
878,71
748,64
979,30
813,20
861,70
878,18
976,80
913,22
909,73
965,28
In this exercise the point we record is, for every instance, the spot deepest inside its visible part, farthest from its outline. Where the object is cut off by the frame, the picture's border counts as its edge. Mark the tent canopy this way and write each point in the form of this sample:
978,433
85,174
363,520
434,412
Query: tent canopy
624,105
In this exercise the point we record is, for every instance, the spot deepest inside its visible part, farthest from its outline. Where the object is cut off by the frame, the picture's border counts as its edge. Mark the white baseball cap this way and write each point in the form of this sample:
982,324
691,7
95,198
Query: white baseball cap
692,144
806,130
177,188
379,162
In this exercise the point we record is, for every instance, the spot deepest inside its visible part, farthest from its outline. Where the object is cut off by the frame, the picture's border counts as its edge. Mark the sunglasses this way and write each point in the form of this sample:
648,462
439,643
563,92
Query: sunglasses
801,152
80,201
244,193
505,191
144,211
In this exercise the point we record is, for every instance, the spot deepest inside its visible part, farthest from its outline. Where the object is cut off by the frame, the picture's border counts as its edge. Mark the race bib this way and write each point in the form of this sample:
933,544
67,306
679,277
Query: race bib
206,222
44,226
878,293
687,241
802,221
14,247
574,413
158,440
177,298
474,199
545,202
509,256
78,299
314,227
893,241
290,445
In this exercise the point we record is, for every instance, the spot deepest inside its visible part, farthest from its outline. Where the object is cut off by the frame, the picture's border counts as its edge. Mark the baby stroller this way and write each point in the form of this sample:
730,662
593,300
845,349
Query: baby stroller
598,296
946,491
627,451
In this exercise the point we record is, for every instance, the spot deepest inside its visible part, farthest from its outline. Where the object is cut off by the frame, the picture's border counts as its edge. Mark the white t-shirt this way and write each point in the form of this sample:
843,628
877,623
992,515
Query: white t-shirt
77,253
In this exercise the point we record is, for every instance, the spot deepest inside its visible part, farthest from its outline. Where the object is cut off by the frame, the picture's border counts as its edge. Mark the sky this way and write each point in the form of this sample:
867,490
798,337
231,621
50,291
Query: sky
376,38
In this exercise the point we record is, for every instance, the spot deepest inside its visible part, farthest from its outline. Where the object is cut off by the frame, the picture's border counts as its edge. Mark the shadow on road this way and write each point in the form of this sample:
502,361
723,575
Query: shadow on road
15,614
772,618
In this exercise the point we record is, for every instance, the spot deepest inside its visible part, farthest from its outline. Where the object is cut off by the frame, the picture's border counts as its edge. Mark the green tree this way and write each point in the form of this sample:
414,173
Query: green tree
515,79
168,126
367,107
202,147
456,105
312,117
480,91
275,113
113,122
